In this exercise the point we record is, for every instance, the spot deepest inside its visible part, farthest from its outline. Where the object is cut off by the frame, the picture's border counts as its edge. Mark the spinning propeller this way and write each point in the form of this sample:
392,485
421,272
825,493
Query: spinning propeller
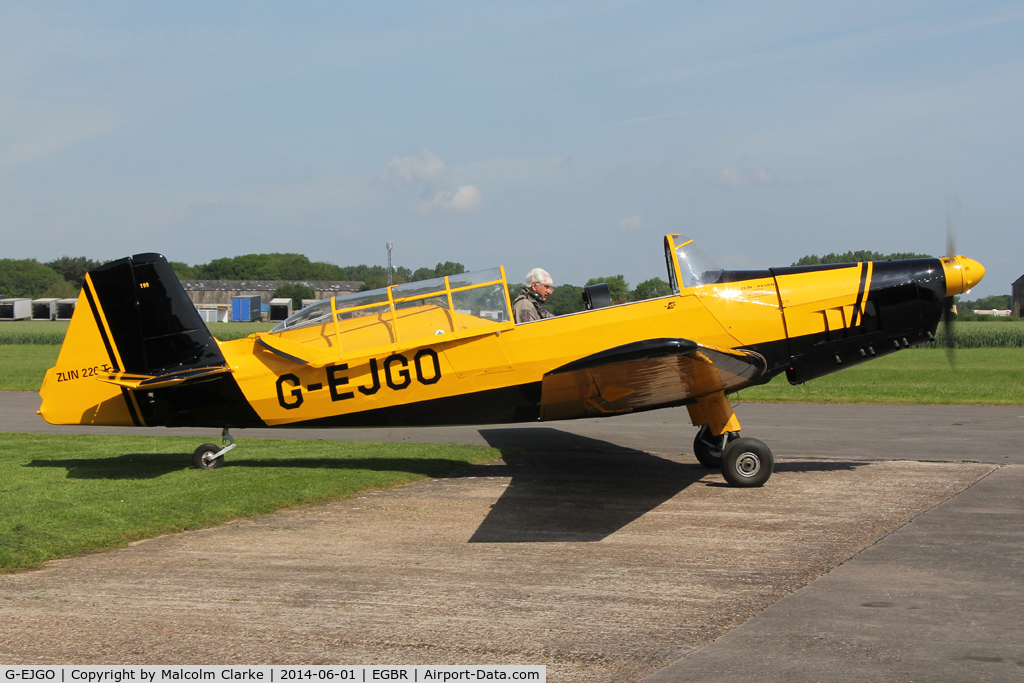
947,309
961,273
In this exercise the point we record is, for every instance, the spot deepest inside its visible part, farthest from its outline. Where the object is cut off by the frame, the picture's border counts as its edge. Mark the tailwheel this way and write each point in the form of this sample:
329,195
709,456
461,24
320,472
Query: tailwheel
210,457
708,447
205,457
747,462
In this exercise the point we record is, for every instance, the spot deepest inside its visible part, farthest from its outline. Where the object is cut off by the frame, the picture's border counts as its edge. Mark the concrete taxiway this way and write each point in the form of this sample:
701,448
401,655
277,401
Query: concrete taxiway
946,433
886,547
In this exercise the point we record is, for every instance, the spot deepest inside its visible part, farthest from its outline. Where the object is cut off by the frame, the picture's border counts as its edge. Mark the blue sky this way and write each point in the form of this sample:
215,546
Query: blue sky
569,135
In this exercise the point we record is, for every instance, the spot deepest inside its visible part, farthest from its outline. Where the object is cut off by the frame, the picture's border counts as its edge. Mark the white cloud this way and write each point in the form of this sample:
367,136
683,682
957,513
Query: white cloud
428,177
467,198
429,169
632,223
734,177
463,200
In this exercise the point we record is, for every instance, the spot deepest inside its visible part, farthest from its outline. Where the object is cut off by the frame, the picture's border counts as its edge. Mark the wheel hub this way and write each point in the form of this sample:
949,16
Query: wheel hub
748,464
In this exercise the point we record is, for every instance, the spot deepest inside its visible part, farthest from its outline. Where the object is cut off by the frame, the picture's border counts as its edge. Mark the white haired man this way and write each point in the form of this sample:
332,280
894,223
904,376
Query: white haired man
535,292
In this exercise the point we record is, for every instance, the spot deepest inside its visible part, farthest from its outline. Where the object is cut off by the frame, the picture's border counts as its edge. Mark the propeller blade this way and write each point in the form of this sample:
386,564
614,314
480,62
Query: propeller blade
947,329
952,218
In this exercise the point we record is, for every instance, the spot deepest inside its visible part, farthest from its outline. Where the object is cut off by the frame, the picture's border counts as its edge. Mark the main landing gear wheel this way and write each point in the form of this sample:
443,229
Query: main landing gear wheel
747,462
708,447
205,457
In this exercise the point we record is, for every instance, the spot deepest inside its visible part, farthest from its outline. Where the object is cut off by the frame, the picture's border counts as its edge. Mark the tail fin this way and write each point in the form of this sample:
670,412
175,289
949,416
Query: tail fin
154,327
133,317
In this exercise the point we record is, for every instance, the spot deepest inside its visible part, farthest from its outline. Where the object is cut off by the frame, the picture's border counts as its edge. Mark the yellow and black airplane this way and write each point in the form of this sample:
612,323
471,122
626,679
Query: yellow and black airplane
445,351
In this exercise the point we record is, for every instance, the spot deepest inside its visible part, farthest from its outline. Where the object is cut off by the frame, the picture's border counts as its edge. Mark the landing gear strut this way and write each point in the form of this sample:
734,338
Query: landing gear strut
209,457
708,447
744,462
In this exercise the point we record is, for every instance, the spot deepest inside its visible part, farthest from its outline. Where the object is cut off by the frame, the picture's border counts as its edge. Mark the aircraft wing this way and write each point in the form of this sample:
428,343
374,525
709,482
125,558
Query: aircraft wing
654,373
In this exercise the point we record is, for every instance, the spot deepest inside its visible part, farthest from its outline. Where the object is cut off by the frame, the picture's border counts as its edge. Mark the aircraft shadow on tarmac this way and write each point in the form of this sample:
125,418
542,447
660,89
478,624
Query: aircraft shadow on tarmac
567,487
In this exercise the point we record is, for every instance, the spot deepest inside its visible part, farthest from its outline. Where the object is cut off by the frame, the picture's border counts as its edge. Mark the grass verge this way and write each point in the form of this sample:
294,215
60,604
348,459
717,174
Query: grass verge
64,495
918,376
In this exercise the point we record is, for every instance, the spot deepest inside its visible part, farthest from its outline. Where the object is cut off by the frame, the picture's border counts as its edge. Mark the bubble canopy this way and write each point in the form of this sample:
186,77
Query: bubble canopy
458,305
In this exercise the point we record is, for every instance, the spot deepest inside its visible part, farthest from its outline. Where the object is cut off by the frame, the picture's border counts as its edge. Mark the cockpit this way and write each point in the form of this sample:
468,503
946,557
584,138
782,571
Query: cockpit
457,306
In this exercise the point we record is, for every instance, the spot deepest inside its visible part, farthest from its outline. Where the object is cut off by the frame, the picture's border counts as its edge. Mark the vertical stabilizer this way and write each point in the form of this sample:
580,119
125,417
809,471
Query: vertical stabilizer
154,327
133,316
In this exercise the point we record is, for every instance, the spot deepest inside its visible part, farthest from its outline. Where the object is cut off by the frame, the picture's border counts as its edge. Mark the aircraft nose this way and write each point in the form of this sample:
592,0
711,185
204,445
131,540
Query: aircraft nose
962,274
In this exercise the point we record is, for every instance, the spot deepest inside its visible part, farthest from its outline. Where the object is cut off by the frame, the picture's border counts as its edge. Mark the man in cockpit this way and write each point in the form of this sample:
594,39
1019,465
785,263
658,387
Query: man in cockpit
528,305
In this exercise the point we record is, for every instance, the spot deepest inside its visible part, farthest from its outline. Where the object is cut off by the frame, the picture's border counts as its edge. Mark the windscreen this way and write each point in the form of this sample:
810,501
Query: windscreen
694,267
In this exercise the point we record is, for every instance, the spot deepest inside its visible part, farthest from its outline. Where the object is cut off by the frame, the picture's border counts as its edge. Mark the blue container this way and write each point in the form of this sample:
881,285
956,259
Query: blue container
246,309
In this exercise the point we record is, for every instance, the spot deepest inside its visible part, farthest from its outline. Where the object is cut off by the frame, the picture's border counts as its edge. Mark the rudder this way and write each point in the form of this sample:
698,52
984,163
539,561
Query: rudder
154,328
133,316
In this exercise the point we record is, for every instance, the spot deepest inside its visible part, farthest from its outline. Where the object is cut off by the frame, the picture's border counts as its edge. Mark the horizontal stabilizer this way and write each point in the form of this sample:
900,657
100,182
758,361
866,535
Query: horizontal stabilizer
654,373
132,381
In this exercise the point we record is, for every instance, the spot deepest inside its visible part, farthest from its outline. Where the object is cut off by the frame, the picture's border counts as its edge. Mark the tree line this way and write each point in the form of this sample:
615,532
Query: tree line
299,267
1001,302
857,256
63,277
569,298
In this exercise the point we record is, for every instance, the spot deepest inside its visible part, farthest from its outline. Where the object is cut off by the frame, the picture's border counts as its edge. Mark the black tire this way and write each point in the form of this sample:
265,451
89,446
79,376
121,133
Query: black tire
201,457
747,462
708,448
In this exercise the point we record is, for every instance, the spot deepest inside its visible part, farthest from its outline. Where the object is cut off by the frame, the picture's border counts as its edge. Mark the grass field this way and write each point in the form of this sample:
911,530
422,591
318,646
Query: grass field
980,335
924,376
52,332
64,495
980,377
23,366
32,332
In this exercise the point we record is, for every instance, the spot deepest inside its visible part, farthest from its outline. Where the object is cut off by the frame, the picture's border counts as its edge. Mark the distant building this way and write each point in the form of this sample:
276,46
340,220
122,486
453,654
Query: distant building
1018,297
211,292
